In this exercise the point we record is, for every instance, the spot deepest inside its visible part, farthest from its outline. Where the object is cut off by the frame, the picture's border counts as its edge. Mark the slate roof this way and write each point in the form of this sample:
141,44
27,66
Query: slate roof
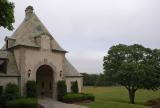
29,29
70,70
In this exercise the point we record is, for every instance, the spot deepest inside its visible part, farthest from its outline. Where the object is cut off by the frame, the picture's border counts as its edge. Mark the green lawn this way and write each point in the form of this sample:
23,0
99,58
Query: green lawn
117,97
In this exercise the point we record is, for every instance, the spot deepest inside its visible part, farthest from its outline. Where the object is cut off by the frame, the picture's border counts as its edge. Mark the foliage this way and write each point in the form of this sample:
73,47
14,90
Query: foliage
12,91
117,97
77,97
22,103
102,81
89,79
31,89
6,14
74,87
134,67
96,80
61,89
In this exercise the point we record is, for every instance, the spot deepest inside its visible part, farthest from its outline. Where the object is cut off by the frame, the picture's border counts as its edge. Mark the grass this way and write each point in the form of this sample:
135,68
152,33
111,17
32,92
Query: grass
117,97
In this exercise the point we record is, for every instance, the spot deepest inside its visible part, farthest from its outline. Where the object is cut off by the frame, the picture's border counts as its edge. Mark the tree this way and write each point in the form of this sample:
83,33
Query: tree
6,14
100,81
89,79
134,67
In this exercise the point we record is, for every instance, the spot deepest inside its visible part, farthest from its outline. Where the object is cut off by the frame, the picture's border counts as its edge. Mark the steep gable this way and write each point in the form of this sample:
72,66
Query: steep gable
29,29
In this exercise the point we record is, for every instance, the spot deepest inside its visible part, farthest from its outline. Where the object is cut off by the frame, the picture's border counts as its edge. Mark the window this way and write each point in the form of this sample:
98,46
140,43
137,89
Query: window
3,65
1,90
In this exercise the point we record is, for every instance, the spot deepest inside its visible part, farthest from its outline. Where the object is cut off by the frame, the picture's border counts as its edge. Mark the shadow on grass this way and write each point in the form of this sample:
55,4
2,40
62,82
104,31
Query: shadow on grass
123,101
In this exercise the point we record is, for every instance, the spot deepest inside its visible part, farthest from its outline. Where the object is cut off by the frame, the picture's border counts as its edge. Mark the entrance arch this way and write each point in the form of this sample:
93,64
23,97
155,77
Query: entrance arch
45,81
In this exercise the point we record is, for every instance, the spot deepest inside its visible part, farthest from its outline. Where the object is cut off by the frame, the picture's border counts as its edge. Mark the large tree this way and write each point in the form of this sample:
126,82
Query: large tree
134,67
6,14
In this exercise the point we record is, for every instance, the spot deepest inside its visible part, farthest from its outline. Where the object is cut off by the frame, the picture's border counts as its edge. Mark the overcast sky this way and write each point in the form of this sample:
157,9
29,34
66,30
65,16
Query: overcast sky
88,28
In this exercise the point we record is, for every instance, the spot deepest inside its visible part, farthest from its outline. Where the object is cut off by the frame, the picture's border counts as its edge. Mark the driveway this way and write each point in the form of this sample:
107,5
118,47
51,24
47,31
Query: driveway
50,103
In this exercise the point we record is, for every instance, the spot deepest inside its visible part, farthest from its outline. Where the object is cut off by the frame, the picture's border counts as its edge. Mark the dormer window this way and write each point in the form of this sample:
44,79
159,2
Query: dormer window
3,65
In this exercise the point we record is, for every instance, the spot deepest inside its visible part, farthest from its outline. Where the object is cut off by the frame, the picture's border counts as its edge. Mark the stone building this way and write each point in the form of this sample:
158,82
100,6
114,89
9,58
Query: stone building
31,53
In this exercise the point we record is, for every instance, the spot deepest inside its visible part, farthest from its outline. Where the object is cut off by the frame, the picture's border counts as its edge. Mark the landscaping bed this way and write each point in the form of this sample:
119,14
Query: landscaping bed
77,97
22,103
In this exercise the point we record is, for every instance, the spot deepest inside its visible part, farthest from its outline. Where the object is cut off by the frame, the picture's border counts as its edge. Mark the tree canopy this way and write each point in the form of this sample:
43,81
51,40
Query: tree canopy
134,67
6,14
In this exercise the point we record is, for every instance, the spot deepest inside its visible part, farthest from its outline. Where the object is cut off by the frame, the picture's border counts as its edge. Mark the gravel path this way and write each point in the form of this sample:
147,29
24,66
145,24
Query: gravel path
50,103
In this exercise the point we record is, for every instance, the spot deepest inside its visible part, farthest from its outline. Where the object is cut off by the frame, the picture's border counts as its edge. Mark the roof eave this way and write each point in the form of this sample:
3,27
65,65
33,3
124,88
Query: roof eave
61,51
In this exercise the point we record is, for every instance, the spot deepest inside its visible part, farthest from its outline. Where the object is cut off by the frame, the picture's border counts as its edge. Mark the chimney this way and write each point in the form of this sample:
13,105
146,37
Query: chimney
29,12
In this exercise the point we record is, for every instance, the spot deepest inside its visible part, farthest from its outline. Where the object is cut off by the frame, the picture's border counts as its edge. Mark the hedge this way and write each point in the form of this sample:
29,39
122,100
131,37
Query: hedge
31,89
23,103
77,97
62,89
12,91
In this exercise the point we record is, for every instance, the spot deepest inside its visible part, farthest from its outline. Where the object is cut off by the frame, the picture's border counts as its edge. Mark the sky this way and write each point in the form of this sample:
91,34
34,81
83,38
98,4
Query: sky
88,28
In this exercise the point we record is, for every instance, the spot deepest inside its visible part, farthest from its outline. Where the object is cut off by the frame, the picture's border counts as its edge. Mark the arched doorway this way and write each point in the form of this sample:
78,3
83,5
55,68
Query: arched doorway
44,78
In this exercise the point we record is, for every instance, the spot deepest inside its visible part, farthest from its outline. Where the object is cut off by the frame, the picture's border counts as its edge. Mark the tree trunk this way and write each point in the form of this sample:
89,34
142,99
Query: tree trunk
132,96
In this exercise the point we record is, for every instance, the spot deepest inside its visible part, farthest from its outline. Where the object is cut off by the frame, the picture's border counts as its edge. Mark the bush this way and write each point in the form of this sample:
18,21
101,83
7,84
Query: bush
61,89
31,89
155,103
74,97
22,103
74,87
1,90
11,91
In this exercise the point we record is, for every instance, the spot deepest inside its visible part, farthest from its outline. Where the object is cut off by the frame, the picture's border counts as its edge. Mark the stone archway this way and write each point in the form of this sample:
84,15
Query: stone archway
45,81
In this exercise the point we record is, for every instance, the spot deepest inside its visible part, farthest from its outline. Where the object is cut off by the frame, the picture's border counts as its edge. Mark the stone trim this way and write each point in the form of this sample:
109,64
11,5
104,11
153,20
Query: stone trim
45,62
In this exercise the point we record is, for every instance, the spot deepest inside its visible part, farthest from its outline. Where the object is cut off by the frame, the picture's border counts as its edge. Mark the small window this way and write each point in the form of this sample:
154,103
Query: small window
1,90
3,65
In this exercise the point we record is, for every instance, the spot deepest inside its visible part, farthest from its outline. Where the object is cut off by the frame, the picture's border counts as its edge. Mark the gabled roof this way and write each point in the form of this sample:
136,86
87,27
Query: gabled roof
29,29
70,70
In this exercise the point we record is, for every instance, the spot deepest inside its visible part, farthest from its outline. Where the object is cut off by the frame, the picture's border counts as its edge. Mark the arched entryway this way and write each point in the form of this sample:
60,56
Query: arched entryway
44,78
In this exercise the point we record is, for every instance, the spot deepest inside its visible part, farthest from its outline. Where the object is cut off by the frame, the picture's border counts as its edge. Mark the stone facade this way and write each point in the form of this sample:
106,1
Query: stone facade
33,54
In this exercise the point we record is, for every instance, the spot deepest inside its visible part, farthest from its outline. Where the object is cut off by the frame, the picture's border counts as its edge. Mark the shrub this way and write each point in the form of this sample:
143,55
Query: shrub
1,90
11,91
31,89
61,89
22,103
76,97
74,87
155,103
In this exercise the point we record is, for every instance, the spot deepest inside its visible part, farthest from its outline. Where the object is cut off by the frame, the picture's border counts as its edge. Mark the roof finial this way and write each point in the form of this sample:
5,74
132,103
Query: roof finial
29,11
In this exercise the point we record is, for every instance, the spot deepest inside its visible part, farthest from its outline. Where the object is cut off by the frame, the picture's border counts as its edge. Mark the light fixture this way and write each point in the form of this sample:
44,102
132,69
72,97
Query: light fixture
29,73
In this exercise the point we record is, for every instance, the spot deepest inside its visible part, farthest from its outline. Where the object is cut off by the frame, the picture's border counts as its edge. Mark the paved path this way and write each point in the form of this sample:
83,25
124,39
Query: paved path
50,103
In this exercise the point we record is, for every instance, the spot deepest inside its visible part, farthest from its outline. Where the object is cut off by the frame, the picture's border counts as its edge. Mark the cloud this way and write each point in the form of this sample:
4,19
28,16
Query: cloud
87,28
